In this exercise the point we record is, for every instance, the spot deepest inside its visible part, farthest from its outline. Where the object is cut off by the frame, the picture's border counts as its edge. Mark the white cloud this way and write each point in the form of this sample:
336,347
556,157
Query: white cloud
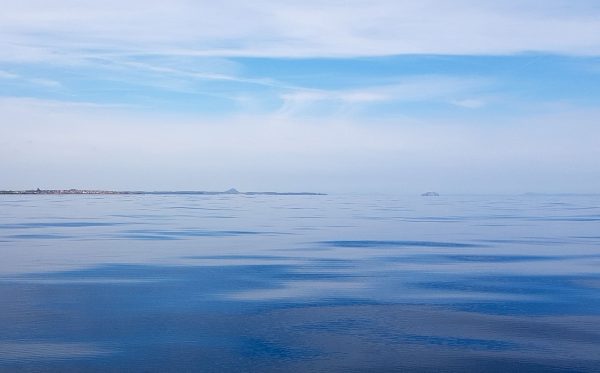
67,30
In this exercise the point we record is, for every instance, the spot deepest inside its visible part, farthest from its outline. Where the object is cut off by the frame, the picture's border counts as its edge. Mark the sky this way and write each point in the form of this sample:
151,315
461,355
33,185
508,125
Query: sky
328,96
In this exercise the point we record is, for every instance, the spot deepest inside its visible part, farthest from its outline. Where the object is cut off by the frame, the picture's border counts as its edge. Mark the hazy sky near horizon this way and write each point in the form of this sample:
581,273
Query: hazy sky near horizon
353,96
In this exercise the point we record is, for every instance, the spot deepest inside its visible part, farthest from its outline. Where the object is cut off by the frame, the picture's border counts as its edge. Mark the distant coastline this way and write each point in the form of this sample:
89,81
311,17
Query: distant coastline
188,192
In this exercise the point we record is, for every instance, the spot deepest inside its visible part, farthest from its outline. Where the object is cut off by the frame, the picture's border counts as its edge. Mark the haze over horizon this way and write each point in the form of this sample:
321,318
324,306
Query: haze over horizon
461,97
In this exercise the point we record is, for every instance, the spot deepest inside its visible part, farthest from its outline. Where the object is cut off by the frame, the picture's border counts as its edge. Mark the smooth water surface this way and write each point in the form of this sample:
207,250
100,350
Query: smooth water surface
299,283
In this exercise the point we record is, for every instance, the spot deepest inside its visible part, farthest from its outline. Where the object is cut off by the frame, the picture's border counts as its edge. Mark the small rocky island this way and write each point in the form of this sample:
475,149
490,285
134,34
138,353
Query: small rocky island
188,192
430,194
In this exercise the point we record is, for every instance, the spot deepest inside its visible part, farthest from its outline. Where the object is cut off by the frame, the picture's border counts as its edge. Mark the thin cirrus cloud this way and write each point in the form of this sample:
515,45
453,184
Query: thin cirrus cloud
42,30
42,82
409,89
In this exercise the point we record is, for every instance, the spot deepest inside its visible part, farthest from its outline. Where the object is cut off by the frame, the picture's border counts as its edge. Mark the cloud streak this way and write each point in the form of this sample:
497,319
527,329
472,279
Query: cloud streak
63,30
47,83
443,89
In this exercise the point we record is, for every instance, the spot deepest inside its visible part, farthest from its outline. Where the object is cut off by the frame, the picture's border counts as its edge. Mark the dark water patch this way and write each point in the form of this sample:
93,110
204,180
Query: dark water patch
305,263
256,348
48,236
583,218
532,295
296,208
587,237
198,208
526,241
138,216
334,263
497,258
307,228
271,257
340,325
514,258
27,351
443,258
379,243
309,273
149,237
170,216
435,339
185,233
470,343
588,283
218,217
305,217
67,224
432,219
496,225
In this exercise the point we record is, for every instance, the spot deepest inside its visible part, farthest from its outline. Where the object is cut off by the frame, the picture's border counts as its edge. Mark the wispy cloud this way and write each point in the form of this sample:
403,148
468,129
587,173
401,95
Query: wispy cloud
67,29
199,75
45,82
7,75
48,83
406,89
469,103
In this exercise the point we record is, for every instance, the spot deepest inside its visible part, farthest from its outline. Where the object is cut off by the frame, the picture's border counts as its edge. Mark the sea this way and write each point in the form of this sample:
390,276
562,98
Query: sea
282,283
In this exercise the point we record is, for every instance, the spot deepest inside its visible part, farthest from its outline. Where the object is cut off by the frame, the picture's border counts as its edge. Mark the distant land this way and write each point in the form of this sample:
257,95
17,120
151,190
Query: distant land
198,192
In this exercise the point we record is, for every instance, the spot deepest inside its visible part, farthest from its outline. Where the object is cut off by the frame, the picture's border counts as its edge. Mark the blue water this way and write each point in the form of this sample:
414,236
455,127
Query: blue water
155,283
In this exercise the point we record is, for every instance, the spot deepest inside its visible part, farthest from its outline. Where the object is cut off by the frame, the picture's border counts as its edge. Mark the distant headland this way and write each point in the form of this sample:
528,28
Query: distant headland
190,192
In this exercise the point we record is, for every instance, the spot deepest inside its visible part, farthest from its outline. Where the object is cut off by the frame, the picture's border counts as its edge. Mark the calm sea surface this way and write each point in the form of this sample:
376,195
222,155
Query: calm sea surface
299,283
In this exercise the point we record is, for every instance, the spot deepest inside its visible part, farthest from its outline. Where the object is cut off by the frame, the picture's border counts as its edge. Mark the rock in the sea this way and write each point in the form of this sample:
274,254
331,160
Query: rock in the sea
231,191
430,194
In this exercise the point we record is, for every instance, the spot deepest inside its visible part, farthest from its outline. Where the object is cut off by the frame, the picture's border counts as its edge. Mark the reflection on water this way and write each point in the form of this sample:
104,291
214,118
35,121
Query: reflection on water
304,283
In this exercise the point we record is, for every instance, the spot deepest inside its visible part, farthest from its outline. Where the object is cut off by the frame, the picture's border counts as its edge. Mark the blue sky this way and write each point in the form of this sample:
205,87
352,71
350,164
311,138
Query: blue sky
387,96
